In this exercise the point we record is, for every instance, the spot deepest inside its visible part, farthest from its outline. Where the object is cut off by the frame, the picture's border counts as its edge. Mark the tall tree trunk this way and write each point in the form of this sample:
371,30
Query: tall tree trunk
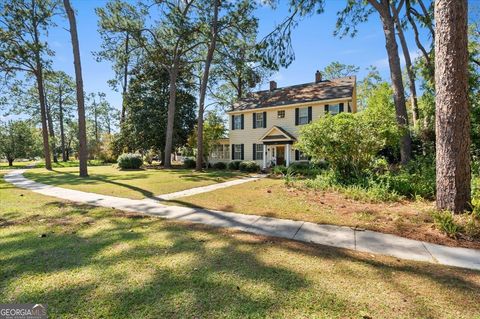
51,131
408,65
452,119
62,129
383,9
41,96
125,79
82,131
204,84
10,161
171,114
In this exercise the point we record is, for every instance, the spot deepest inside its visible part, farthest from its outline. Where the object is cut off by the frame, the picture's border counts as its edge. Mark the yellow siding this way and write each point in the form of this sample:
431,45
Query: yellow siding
248,136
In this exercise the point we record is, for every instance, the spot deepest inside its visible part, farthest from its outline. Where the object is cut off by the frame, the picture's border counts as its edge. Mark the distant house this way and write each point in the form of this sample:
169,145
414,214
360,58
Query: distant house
265,125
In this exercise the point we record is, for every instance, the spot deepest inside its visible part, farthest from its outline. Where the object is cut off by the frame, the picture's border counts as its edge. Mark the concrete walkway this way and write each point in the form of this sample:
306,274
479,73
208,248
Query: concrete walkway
204,189
337,236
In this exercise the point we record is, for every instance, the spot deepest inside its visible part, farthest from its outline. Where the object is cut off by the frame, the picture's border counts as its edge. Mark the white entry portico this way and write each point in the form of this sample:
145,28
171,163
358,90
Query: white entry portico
277,147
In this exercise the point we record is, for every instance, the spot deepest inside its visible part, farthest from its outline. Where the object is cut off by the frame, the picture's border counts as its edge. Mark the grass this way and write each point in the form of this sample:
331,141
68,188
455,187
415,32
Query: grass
41,163
135,184
16,164
98,262
270,197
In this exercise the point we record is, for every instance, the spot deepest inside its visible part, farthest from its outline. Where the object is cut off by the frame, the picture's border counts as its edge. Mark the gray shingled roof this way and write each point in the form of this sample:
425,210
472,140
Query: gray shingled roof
303,93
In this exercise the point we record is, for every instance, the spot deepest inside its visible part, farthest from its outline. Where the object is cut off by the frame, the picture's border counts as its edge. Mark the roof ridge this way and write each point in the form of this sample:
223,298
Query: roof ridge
307,83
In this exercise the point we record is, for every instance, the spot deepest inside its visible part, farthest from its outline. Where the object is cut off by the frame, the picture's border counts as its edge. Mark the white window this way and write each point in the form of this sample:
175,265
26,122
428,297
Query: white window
334,109
303,116
237,151
259,120
302,156
226,151
237,122
216,151
281,114
259,151
220,151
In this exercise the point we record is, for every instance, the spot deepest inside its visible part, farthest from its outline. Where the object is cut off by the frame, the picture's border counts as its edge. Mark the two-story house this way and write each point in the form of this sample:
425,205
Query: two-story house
265,125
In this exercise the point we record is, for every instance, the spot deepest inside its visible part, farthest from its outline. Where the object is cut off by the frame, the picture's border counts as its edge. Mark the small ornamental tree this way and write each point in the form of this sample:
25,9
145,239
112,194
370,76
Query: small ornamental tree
18,139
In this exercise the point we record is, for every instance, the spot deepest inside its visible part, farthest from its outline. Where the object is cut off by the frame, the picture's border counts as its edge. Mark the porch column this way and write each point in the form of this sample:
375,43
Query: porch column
264,156
288,155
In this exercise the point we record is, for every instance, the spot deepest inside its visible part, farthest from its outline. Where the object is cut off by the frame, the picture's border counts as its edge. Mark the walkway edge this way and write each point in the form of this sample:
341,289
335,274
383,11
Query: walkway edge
329,235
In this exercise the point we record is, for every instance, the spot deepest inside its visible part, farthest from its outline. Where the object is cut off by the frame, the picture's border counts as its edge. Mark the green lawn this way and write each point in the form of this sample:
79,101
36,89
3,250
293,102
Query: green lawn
98,262
270,197
108,180
4,165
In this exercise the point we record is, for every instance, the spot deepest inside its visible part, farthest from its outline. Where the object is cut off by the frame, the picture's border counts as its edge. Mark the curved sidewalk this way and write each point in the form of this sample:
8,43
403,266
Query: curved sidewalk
337,236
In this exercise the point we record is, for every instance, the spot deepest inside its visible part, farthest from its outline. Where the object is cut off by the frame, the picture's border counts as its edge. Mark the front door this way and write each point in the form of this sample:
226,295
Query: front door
280,155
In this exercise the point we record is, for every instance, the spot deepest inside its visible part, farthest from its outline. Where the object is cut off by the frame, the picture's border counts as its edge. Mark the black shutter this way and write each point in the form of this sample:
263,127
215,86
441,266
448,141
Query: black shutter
243,152
242,121
254,156
233,152
264,119
254,117
326,108
297,155
340,108
233,122
309,114
296,116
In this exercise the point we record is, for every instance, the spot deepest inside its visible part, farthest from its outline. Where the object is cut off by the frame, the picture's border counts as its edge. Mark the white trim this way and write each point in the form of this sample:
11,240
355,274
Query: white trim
276,128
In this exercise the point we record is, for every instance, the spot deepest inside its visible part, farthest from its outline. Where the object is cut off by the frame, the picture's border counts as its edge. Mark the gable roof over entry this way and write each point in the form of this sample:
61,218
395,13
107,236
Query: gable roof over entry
277,134
303,93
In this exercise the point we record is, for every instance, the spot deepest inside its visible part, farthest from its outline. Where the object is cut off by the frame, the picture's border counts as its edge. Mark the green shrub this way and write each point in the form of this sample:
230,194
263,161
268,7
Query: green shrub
446,223
189,163
324,181
348,142
234,165
363,189
249,166
304,169
219,165
130,161
279,170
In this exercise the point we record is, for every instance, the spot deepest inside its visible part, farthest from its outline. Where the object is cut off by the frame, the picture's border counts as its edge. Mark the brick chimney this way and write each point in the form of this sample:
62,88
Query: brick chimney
318,76
273,85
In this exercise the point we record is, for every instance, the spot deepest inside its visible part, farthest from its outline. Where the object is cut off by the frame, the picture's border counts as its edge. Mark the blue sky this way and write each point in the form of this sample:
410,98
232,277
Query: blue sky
313,42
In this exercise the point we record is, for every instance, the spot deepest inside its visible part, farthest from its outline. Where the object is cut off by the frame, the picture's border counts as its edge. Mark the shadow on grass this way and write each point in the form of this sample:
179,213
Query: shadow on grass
206,282
70,251
71,178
